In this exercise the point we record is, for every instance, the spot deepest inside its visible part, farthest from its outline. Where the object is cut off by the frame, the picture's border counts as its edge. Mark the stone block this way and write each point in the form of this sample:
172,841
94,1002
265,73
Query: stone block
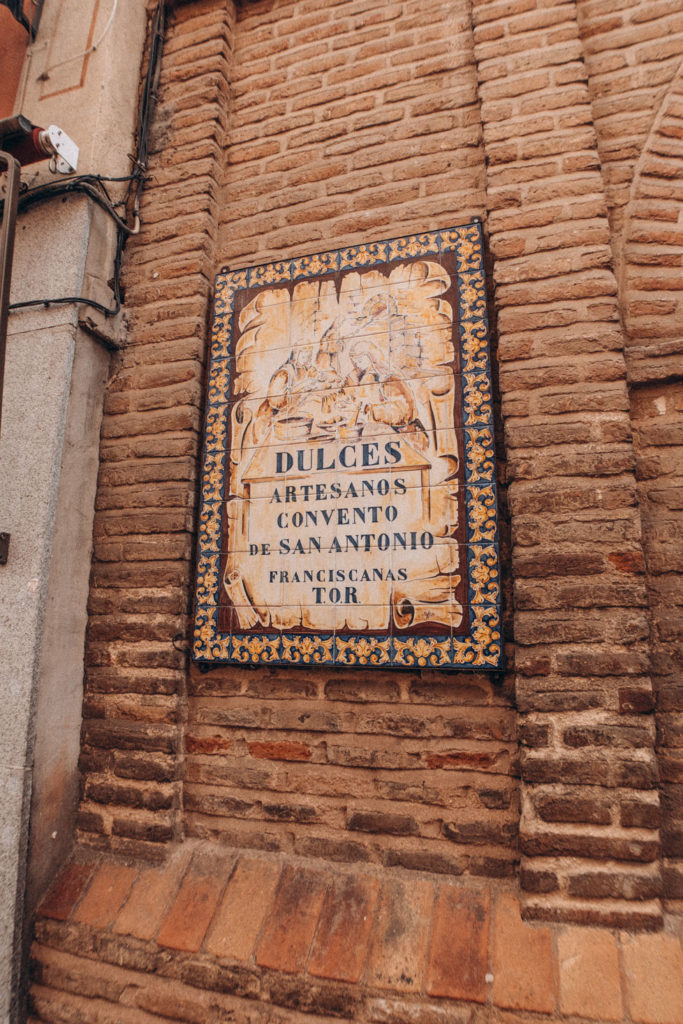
458,956
590,984
653,969
522,961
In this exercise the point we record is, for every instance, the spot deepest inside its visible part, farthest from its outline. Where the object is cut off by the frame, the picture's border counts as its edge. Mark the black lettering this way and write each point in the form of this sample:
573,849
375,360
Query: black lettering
393,450
343,456
370,454
283,462
303,464
321,460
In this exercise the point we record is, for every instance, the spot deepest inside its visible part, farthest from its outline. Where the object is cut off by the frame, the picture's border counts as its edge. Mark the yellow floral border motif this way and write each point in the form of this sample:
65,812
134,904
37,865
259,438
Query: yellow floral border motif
482,649
363,650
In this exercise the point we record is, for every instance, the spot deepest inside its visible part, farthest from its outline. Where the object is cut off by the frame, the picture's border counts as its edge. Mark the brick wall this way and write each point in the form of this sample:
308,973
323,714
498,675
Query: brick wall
580,621
352,121
634,55
285,127
132,747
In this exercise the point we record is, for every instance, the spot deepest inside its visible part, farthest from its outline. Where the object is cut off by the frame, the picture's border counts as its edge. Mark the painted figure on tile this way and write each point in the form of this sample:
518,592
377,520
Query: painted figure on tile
380,395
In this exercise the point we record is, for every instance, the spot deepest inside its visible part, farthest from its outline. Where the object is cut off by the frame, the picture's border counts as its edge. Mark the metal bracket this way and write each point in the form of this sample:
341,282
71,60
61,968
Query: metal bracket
4,548
63,149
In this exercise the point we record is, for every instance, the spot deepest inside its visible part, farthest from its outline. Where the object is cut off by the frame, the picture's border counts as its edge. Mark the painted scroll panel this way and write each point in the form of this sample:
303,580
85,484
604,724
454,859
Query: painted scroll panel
348,492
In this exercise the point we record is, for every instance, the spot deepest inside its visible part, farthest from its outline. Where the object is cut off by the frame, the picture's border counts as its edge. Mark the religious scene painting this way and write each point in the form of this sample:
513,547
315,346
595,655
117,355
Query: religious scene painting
348,495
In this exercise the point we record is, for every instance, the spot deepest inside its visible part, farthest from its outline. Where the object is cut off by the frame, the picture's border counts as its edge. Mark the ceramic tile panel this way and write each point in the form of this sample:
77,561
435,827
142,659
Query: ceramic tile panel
348,503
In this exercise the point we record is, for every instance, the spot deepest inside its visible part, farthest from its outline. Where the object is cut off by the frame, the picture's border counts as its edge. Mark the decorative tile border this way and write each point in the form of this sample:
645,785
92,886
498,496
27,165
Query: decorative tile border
477,647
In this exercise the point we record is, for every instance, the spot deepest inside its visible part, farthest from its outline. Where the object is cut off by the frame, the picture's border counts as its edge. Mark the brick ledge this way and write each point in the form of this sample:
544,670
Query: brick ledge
234,935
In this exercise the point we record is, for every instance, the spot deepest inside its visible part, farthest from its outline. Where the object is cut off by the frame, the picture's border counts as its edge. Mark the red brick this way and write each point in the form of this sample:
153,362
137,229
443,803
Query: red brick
349,909
149,900
398,947
522,963
105,896
457,959
188,919
280,751
243,908
66,891
290,928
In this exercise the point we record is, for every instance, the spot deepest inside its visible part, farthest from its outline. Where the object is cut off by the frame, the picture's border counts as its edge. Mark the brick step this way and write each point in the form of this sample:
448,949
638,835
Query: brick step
232,935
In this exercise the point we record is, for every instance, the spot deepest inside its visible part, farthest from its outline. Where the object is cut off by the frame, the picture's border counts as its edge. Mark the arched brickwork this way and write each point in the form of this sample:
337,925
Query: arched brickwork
632,50
652,297
634,57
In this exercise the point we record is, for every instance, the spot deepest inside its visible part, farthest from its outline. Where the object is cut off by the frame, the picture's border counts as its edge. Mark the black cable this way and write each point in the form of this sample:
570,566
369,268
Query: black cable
77,299
81,300
84,184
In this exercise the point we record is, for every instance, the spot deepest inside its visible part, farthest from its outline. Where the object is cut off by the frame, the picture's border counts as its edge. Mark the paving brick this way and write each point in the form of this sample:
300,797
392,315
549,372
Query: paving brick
522,961
66,891
243,908
653,968
398,945
105,896
590,984
186,923
149,900
458,954
349,910
289,930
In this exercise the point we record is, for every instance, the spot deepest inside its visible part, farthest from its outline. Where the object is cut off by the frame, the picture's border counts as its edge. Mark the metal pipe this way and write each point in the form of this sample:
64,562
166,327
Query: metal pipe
9,222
